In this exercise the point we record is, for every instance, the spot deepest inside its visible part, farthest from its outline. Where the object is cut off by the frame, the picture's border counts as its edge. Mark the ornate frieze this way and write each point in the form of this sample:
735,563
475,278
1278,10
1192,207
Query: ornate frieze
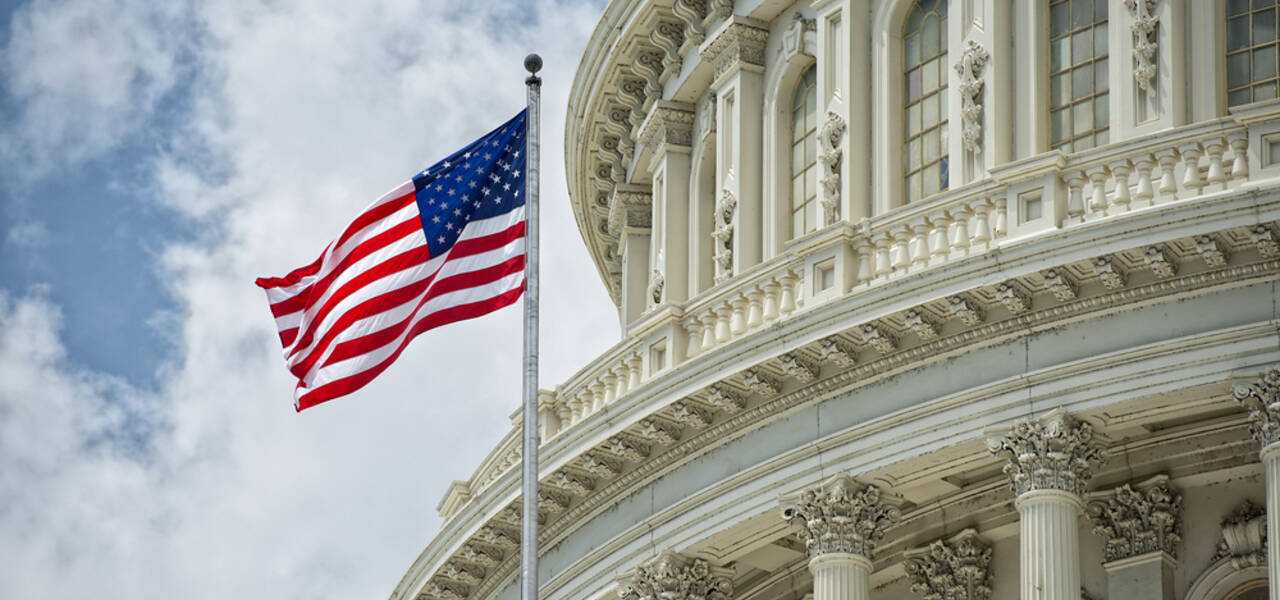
1244,536
725,399
737,43
969,67
1111,273
957,569
1262,399
673,576
725,220
1161,262
796,365
1055,452
834,350
668,123
761,382
966,310
1012,298
917,322
841,515
1060,284
829,154
1145,43
1138,521
879,338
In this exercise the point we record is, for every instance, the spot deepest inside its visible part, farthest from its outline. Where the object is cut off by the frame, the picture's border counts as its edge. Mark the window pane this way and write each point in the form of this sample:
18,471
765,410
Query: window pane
929,76
1081,46
1082,117
913,154
1257,4
1102,138
944,170
929,39
928,6
1061,120
1266,91
942,70
1059,50
929,146
930,114
1081,13
797,157
913,120
1235,7
810,111
1081,81
1238,70
942,139
810,216
1264,27
797,192
1238,97
1264,63
1059,19
942,32
942,107
1100,76
810,149
1099,10
1101,112
797,125
913,20
932,179
1083,143
1238,33
913,85
911,54
1100,40
913,188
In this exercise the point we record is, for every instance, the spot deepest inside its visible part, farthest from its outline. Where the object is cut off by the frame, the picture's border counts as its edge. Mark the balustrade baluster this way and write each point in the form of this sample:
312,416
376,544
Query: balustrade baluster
755,298
883,266
1120,177
738,320
1191,167
1143,193
1098,190
635,370
1214,149
981,239
938,237
597,398
959,230
866,254
920,244
788,303
899,255
723,312
709,323
1168,160
1075,195
610,387
1002,217
771,300
1239,156
693,333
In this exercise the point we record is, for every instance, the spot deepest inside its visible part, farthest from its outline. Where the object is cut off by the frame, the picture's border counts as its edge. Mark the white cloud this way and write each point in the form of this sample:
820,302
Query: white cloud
300,113
32,235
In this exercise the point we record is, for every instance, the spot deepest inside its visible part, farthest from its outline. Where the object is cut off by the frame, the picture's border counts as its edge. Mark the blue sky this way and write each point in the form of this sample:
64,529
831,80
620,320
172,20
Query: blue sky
155,157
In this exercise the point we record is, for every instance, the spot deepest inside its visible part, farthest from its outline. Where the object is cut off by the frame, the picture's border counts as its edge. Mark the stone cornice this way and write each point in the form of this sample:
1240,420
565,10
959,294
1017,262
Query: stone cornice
841,516
1054,452
1262,399
738,43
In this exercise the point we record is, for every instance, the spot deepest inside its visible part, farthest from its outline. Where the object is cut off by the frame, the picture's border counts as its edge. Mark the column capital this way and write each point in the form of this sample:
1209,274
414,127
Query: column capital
841,515
738,42
1138,521
674,576
1054,452
668,124
1262,399
956,569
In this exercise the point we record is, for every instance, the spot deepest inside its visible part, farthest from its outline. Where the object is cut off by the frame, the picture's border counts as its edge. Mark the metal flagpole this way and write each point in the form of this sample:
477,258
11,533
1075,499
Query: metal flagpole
529,517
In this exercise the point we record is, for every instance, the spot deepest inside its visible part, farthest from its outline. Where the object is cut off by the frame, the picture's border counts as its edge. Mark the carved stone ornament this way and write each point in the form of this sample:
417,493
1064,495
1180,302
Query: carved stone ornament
1144,42
799,38
761,382
1140,521
1055,452
1212,250
841,515
724,398
668,123
798,366
829,153
1014,300
669,36
1244,536
966,310
1161,263
917,322
970,66
1061,284
835,351
691,13
726,211
656,280
957,569
707,117
1265,240
880,339
1109,272
631,206
673,576
736,44
1262,399
717,10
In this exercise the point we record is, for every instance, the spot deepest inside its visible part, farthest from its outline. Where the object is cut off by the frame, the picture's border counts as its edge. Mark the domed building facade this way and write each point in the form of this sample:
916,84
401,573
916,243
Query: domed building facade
939,299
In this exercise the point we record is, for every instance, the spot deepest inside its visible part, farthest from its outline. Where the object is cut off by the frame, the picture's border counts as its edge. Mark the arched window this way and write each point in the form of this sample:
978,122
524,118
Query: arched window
1079,111
1251,51
924,60
804,155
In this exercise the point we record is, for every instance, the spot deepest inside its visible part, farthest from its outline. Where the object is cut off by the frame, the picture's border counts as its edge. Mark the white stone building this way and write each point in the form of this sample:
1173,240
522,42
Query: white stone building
942,299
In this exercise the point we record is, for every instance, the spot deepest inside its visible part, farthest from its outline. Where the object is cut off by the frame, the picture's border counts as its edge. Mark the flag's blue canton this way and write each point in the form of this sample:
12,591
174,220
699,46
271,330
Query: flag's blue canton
483,180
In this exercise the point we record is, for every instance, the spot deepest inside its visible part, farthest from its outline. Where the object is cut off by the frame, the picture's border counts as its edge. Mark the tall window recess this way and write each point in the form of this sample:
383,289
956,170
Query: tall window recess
924,61
1251,51
804,155
1079,102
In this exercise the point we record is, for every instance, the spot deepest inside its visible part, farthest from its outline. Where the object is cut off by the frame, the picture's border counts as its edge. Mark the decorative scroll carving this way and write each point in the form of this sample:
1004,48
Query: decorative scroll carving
970,66
717,10
627,449
1161,263
829,154
1055,452
1012,299
659,431
600,467
552,502
480,556
648,64
1061,284
1109,272
1138,521
608,152
958,569
1144,42
760,382
656,280
690,415
799,367
799,38
618,123
1262,399
631,92
835,351
1244,536
578,486
446,590
1265,240
725,218
510,515
725,399
968,312
463,573
737,44
499,537
1212,250
916,321
880,339
668,36
691,12
672,576
841,515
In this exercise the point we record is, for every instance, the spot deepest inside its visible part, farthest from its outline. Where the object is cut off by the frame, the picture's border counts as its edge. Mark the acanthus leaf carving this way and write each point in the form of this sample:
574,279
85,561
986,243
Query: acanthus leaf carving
761,382
841,515
915,320
970,66
1110,272
725,398
627,449
829,155
1055,452
1060,284
1138,521
1262,399
673,576
1160,262
659,431
966,310
669,36
1145,42
956,569
798,366
725,219
601,467
1244,536
1012,298
834,350
690,415
691,12
879,338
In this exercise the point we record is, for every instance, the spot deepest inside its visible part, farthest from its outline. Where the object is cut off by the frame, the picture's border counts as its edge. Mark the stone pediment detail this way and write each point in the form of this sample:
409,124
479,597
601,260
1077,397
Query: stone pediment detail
954,569
1054,452
1138,521
841,515
674,576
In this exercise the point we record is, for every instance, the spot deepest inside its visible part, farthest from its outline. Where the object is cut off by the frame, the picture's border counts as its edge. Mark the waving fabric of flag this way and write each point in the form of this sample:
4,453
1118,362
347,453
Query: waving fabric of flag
445,246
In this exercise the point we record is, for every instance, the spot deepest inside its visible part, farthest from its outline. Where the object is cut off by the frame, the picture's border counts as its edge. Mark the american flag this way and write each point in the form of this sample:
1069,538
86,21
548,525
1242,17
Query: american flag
445,246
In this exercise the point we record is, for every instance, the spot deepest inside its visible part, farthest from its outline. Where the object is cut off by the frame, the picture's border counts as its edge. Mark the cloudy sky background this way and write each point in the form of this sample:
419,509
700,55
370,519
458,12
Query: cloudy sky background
156,157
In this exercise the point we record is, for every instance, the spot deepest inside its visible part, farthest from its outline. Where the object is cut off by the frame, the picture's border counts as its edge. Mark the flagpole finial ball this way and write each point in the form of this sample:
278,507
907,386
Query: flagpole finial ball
533,63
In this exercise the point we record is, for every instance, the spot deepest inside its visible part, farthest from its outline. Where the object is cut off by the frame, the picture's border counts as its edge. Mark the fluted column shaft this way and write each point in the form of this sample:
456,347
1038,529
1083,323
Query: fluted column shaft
1050,548
1271,466
841,576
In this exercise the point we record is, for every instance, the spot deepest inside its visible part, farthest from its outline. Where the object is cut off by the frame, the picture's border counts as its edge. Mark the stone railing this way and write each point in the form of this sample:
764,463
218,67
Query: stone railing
1098,184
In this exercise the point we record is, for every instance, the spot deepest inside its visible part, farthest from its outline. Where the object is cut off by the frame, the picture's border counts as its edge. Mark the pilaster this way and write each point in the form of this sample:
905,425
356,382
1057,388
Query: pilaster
674,576
667,133
1142,528
840,522
955,569
1050,463
630,220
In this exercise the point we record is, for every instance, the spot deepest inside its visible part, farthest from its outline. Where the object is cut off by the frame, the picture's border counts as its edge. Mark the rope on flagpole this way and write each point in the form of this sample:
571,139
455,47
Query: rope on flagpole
529,517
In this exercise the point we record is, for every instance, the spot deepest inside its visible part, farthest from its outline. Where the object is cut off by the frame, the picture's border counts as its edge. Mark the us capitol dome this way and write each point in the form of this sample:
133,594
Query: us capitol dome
937,299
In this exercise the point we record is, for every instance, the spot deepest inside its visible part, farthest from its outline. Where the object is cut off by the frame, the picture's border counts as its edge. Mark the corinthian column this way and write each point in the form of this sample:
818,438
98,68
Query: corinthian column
1050,462
1262,398
841,521
673,576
